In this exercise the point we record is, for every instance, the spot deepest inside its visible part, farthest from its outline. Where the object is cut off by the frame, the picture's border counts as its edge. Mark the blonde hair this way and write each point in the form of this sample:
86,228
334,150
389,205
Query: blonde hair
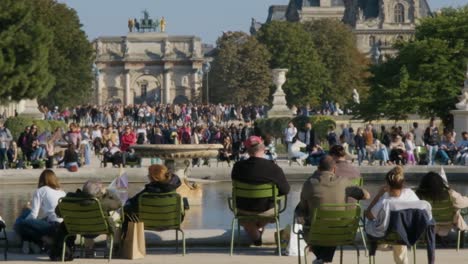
159,173
395,178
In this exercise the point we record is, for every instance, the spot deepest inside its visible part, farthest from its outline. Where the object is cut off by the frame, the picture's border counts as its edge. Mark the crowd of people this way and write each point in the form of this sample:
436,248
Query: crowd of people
387,147
333,182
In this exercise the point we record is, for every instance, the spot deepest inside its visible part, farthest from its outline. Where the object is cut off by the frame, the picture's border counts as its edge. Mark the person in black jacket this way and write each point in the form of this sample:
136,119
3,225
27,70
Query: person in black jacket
257,170
161,181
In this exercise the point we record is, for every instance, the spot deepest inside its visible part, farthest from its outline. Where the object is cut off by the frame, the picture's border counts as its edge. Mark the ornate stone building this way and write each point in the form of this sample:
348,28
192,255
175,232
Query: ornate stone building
148,67
377,24
304,10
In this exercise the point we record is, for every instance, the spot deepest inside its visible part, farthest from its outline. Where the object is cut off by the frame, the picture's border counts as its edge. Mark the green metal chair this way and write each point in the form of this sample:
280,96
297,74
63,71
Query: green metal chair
162,211
252,191
443,213
84,216
332,225
393,239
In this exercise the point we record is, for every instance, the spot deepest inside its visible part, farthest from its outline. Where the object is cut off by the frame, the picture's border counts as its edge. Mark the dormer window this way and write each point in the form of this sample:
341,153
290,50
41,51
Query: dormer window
399,13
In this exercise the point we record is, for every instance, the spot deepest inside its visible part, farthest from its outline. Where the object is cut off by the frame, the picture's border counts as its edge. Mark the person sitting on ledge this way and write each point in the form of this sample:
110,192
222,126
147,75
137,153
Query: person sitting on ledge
257,170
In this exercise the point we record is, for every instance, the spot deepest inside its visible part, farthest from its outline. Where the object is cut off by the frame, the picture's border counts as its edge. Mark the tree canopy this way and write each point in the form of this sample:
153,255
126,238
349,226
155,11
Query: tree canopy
24,51
240,72
292,47
336,46
426,75
70,57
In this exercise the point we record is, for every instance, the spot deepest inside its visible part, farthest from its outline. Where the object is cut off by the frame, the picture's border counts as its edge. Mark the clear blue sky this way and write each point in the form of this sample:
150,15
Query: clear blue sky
203,18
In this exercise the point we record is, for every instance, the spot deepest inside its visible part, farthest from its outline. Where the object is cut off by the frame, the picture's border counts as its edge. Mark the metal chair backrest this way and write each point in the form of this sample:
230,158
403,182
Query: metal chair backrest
334,225
358,182
254,191
160,210
443,212
83,216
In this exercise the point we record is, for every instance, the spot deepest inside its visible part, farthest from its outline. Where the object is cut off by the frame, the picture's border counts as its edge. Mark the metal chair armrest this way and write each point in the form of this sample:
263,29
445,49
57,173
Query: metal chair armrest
282,207
231,207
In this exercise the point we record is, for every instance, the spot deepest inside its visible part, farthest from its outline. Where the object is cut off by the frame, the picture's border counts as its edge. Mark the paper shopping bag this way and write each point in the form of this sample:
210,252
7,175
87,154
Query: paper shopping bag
134,246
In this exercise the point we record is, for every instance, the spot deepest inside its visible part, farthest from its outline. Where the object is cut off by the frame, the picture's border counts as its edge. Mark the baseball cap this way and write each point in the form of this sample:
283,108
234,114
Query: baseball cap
253,141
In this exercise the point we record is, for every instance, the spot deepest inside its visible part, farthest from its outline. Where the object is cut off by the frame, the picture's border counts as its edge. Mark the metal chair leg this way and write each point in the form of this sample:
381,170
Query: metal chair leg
298,249
64,247
414,254
177,241
183,242
458,240
363,237
238,234
232,235
278,237
111,246
341,254
358,254
306,249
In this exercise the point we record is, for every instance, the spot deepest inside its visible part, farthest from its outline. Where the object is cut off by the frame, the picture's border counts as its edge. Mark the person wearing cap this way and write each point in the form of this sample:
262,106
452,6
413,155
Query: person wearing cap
257,170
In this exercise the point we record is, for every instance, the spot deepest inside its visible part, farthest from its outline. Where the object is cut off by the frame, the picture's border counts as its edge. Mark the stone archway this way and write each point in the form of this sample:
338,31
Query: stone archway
147,88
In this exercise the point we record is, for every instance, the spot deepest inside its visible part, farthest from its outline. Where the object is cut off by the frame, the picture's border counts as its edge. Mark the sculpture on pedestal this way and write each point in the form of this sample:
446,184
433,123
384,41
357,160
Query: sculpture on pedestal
463,104
279,108
356,97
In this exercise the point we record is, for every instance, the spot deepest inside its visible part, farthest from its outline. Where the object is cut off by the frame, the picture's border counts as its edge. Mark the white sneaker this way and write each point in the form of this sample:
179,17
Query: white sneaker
25,247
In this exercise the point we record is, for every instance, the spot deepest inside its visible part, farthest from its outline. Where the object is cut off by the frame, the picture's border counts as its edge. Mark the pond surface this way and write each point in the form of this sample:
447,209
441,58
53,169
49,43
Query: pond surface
213,213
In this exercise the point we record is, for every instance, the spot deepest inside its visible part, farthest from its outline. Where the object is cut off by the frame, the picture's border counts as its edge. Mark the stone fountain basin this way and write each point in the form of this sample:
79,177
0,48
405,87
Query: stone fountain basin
188,151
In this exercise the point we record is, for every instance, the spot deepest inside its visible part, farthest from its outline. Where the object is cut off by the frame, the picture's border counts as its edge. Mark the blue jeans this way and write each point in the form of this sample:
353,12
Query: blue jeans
361,154
443,157
32,229
431,153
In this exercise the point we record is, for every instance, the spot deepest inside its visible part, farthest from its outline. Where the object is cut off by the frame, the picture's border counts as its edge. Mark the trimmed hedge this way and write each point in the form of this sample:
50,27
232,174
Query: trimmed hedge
17,124
275,126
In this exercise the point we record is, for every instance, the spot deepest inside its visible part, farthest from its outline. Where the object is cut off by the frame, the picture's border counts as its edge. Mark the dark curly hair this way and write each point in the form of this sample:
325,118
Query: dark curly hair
432,187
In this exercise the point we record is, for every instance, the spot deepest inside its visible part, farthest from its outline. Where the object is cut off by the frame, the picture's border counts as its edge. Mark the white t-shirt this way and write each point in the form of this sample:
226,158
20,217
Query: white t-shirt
290,133
43,204
407,195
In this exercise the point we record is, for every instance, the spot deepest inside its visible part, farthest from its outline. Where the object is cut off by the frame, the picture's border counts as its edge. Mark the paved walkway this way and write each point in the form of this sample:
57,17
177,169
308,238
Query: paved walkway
247,256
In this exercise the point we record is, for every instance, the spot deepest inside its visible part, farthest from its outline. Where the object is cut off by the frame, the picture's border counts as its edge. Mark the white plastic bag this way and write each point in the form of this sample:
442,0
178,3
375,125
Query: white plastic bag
292,247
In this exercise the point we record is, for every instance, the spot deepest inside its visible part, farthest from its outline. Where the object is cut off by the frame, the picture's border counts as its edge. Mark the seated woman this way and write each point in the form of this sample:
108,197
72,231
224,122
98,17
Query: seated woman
433,188
15,156
448,150
294,151
225,154
381,153
394,190
111,153
397,151
38,154
40,219
70,158
161,181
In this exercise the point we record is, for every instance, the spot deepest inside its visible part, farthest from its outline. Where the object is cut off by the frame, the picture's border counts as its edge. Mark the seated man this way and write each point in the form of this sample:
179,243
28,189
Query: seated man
325,187
257,170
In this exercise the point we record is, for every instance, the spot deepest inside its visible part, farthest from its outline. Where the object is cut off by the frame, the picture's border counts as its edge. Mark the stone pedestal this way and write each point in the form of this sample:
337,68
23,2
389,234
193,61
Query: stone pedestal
279,108
178,159
460,122
31,109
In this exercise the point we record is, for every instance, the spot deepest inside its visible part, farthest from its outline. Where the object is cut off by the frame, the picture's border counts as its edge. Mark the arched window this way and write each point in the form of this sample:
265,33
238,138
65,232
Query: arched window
399,13
371,41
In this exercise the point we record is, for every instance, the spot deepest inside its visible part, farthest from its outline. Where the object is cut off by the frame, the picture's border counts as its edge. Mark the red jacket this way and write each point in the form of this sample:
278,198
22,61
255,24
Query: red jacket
127,140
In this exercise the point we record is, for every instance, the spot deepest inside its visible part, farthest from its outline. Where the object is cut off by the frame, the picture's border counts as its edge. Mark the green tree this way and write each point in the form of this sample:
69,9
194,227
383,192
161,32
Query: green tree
71,55
24,50
291,47
424,78
240,72
434,63
336,45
